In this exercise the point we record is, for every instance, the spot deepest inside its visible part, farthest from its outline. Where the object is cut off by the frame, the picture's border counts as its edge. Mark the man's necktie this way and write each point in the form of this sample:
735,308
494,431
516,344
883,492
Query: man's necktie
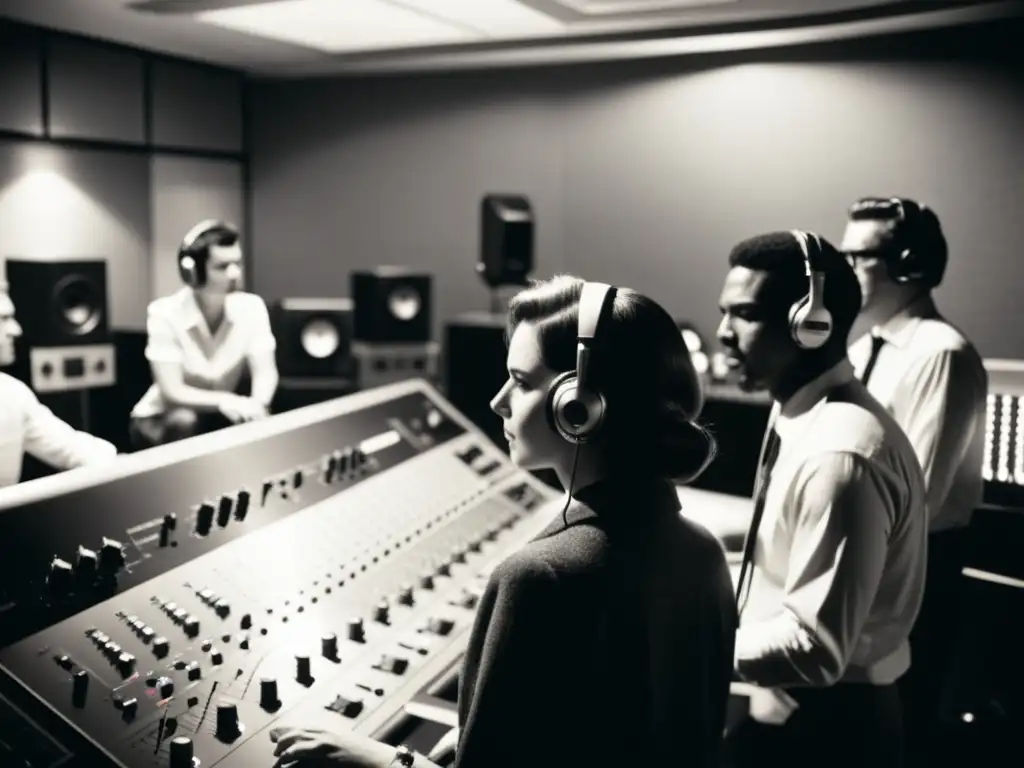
768,459
877,342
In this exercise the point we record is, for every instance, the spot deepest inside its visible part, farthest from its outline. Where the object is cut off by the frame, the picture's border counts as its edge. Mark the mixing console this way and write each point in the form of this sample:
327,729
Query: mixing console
318,568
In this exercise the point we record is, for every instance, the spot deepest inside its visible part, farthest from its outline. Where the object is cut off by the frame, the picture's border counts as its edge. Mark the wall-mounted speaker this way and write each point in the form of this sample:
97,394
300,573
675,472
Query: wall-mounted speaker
392,305
506,240
62,309
314,337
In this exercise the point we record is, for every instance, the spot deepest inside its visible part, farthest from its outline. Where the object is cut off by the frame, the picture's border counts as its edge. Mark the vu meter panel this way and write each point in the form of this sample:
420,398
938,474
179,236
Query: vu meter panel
321,567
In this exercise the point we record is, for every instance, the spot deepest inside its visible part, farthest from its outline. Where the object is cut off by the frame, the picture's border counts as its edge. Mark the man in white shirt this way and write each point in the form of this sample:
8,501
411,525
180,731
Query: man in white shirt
26,425
202,340
835,558
933,382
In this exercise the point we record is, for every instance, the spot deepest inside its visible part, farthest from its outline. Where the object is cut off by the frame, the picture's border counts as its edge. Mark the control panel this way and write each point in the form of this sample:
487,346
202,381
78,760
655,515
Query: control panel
319,568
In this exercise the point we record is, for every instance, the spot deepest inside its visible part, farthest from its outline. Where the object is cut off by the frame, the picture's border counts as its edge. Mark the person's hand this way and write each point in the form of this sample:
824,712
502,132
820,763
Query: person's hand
311,746
238,409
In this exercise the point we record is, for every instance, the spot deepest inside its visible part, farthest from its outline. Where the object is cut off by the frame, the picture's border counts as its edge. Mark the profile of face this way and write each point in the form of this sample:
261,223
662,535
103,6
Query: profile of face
9,329
521,403
862,243
753,332
224,269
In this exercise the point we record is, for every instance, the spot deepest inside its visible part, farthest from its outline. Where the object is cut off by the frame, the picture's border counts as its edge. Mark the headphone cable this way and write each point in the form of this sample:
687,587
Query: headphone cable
572,483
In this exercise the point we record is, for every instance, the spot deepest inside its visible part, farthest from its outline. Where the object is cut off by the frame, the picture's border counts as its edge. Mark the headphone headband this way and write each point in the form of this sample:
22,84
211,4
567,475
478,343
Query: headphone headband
577,410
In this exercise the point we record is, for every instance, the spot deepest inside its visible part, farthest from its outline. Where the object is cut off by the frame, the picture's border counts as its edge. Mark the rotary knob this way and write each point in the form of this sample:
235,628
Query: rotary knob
86,563
355,631
303,672
111,555
268,693
329,646
181,752
227,720
405,596
204,518
59,577
382,612
242,504
224,507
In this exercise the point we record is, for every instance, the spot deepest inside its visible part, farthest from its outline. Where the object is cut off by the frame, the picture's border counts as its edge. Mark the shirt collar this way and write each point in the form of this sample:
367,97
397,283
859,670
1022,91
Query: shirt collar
899,329
810,394
193,316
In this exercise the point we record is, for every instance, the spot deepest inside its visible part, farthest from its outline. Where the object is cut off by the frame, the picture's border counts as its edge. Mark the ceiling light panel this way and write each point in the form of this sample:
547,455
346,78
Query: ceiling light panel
493,18
612,7
341,26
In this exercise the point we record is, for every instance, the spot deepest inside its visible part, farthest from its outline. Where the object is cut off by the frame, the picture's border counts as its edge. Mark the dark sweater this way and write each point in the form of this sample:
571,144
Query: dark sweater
607,641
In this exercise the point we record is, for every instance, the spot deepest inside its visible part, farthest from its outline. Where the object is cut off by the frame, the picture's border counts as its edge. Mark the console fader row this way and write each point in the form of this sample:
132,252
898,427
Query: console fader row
319,568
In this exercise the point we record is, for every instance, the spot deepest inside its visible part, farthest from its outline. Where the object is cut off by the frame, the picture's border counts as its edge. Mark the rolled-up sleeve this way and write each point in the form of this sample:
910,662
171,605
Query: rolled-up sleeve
162,345
839,520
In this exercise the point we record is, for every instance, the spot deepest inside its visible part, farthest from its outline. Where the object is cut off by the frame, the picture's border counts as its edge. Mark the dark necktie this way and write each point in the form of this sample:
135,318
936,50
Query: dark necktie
877,342
768,459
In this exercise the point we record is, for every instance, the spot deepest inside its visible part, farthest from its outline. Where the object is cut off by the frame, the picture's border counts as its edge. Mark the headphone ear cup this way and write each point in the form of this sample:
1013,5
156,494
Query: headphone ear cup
573,414
797,314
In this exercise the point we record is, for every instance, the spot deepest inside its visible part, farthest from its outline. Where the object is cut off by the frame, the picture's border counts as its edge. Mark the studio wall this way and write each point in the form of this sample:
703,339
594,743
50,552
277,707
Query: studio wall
646,174
111,152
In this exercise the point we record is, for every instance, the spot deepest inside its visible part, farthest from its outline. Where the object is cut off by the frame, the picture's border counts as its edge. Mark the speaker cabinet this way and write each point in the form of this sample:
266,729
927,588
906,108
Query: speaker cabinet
475,368
380,364
314,337
62,309
392,305
506,240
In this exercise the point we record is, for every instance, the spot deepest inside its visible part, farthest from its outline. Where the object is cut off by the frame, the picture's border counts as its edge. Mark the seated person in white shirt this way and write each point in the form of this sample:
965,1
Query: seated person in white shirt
932,380
26,425
836,556
202,340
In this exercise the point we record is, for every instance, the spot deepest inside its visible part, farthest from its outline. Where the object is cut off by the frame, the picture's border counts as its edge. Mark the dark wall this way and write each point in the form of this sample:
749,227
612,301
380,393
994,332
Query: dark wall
646,174
108,152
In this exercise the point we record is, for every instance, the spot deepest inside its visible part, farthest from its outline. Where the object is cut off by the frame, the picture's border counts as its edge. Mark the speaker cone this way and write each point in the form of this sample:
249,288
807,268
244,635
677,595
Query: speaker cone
77,305
320,339
404,303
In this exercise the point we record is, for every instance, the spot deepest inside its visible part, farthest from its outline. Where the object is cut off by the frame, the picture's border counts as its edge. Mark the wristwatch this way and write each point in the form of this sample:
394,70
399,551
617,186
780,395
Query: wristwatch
404,757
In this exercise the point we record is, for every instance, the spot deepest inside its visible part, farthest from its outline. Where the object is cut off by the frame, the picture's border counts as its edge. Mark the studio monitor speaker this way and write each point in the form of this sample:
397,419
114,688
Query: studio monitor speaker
314,337
392,305
506,240
62,309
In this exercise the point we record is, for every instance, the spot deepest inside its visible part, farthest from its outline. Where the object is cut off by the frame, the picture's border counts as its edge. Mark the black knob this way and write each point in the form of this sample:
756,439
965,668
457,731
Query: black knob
164,687
329,646
79,688
204,518
382,612
170,521
444,569
242,504
191,626
111,555
59,577
459,556
268,692
126,664
246,622
355,631
161,647
427,582
405,597
181,752
86,563
224,510
302,668
227,720
216,657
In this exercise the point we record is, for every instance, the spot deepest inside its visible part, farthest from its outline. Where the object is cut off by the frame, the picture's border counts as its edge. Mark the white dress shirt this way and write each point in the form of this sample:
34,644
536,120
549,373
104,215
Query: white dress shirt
26,425
933,382
839,559
178,333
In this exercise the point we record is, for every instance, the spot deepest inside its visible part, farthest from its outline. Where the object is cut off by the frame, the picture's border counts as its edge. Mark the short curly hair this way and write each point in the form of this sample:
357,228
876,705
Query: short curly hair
781,256
640,363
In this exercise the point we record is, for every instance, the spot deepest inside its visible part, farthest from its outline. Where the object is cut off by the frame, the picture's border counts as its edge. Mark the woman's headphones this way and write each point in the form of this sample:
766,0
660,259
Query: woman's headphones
191,264
575,409
810,323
